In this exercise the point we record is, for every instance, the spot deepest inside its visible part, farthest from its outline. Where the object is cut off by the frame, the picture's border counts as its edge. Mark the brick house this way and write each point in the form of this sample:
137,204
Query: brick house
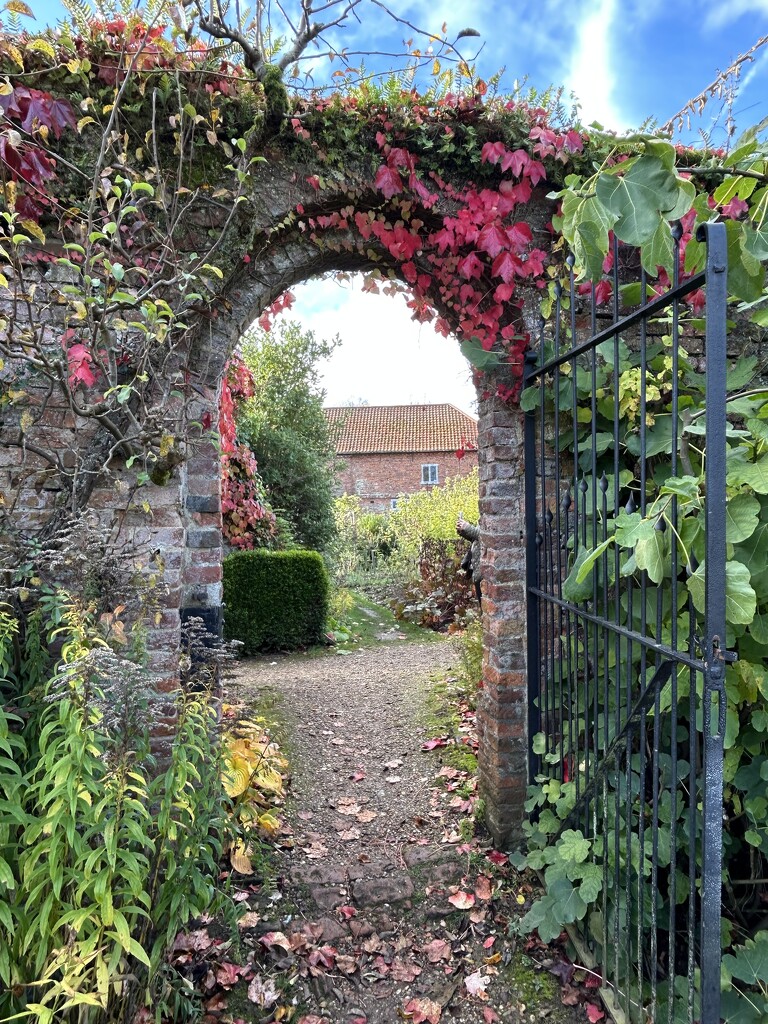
389,450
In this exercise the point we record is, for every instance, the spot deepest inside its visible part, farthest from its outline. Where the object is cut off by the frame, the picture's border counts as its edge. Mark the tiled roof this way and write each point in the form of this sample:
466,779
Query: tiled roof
368,429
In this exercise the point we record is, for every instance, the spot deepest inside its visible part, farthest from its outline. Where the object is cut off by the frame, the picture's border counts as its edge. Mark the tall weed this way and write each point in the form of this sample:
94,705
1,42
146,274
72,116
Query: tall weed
102,858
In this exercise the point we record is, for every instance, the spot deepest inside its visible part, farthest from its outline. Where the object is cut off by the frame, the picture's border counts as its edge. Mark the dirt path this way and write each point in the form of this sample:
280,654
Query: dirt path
382,909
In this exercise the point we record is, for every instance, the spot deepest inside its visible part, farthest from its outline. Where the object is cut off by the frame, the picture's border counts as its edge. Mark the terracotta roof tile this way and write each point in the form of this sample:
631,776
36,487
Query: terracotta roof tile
368,429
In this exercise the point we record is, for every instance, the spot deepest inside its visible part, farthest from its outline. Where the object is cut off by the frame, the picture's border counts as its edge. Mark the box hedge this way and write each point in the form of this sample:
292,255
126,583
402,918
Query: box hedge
275,600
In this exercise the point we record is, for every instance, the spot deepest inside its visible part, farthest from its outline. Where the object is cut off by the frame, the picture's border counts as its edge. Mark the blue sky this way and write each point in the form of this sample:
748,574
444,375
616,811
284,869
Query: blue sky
625,60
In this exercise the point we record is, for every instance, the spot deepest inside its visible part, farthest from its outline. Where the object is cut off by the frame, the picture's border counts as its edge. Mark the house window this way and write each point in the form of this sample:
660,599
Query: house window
429,473
393,502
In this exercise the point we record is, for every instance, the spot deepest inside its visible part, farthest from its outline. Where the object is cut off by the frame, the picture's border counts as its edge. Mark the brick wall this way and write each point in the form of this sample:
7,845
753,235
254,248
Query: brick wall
379,478
178,525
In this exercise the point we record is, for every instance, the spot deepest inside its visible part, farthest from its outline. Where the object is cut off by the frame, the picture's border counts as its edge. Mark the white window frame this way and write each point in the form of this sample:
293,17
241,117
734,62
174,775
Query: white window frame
429,473
393,503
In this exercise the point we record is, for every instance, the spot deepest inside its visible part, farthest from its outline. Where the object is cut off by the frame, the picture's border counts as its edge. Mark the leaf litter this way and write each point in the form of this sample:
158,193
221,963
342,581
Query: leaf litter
407,919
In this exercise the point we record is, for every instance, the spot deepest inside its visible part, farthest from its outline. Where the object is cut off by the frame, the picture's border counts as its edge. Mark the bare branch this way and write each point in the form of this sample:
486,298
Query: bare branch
695,105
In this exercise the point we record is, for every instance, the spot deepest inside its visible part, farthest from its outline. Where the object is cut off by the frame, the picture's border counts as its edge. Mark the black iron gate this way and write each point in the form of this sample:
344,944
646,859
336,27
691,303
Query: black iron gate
626,629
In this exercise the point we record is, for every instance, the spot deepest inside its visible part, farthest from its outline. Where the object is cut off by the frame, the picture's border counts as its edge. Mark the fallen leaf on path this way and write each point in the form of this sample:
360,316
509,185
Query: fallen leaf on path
490,1016
439,741
249,919
437,950
569,996
347,964
478,916
497,857
423,1011
403,971
477,984
357,776
270,939
372,944
312,1018
228,974
346,912
349,834
347,806
324,956
366,815
483,887
594,1012
315,850
195,942
262,991
462,900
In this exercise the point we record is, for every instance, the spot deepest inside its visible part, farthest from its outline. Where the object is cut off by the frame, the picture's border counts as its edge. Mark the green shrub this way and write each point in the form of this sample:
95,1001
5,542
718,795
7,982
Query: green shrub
275,600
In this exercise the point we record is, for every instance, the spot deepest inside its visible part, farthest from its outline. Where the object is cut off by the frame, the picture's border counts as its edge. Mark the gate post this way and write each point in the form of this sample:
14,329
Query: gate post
502,700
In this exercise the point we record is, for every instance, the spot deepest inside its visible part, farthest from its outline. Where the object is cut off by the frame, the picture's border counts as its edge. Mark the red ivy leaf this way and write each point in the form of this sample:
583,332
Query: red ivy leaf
388,181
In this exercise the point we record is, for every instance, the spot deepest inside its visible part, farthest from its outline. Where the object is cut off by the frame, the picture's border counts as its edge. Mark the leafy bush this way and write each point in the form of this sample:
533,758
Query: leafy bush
431,515
362,545
275,600
102,859
442,594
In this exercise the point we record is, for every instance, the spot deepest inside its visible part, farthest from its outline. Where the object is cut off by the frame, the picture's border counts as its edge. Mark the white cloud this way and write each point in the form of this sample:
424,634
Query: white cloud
720,14
385,358
591,73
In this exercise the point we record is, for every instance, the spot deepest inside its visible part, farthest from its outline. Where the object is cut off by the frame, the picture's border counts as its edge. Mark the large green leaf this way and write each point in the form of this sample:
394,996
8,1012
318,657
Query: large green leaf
741,517
746,274
572,846
651,555
755,474
749,962
638,198
740,598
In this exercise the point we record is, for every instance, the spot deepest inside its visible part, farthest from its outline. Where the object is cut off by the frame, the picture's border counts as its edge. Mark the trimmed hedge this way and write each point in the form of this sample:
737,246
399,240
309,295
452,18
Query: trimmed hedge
275,600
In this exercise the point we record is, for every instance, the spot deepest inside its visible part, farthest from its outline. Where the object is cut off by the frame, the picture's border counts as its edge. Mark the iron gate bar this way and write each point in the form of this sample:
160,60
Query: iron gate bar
625,781
714,675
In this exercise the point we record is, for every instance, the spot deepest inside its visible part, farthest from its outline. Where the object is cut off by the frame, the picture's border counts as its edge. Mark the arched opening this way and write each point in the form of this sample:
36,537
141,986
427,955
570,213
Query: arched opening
256,288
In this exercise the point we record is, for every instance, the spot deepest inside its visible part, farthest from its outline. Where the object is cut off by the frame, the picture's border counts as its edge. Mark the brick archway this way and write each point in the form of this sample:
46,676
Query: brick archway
502,700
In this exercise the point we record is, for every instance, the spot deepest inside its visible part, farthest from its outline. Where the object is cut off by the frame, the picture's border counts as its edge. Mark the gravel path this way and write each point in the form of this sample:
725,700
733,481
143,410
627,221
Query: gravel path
364,891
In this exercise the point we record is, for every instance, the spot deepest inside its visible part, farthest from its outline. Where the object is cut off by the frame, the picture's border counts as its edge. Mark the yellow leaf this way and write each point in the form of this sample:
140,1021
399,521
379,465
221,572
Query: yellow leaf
34,229
239,858
19,7
436,67
73,65
42,46
268,823
6,88
84,121
3,284
15,54
237,776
